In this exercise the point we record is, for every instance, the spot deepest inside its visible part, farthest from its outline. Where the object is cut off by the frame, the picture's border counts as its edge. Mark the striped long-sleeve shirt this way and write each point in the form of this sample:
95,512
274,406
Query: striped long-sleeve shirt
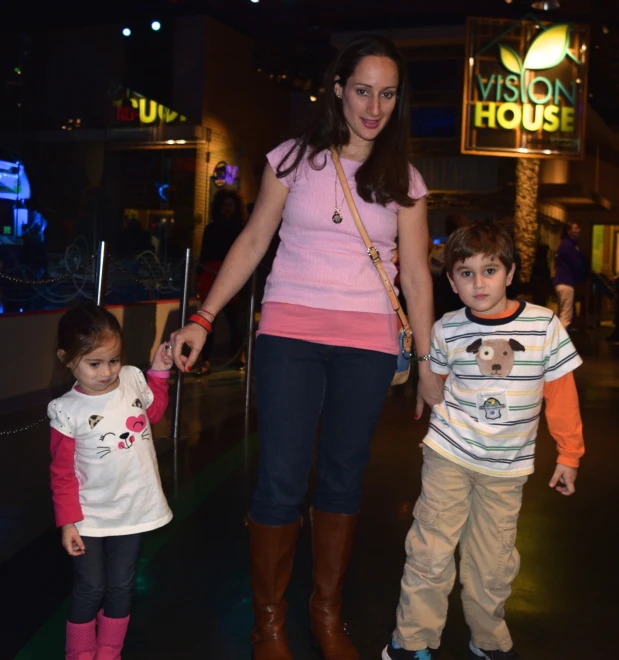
498,370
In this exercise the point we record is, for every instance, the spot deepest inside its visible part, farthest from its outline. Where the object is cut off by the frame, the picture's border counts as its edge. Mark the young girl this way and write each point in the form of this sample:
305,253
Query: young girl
104,477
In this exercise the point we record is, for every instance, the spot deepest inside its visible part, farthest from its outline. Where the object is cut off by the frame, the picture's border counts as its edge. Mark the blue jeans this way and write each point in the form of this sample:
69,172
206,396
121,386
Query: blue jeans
298,383
103,577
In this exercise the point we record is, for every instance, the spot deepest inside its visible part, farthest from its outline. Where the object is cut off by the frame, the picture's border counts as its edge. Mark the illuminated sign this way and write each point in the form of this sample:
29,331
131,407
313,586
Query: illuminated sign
224,174
525,89
134,108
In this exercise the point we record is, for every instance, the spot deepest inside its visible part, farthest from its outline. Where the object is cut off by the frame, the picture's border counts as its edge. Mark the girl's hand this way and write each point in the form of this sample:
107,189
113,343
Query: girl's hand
194,336
72,541
163,358
429,389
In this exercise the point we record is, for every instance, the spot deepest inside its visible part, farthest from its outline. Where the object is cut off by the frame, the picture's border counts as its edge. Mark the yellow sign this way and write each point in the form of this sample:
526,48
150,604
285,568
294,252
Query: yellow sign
525,89
137,108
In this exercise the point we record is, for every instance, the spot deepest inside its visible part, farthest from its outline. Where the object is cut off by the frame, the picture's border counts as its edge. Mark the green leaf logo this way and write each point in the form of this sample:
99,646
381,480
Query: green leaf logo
548,48
510,59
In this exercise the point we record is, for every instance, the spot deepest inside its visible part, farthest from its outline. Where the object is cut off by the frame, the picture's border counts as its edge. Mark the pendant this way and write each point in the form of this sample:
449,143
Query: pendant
337,218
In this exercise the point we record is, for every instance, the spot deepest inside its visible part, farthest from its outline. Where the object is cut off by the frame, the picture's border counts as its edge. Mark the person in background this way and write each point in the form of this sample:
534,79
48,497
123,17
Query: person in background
541,279
445,300
227,221
614,335
571,267
327,342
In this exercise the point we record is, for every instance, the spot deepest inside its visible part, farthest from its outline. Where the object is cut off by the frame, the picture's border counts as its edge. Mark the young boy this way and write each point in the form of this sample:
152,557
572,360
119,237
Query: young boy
501,359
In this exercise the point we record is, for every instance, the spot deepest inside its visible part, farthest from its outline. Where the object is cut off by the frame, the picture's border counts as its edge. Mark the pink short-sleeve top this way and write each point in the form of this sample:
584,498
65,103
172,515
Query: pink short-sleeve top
323,287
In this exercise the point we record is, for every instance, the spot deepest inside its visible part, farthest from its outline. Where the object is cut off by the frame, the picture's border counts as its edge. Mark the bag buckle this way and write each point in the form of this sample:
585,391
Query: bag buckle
374,254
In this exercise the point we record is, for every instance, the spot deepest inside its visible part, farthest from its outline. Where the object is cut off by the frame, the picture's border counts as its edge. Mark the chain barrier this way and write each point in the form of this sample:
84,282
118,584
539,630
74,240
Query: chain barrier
23,428
148,285
127,273
78,280
49,280
79,268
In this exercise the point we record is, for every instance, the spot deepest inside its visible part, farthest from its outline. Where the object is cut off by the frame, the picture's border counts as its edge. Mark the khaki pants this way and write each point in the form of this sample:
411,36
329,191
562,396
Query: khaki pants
480,512
565,296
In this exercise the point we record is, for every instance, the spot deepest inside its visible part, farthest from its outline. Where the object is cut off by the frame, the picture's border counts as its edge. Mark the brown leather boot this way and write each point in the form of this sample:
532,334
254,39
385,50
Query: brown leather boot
272,553
332,541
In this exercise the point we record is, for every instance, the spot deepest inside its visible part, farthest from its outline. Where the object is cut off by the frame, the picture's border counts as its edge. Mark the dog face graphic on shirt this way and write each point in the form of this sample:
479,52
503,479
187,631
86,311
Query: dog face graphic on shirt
136,427
495,357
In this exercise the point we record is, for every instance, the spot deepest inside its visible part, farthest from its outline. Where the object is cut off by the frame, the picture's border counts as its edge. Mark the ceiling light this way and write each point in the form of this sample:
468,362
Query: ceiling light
155,25
126,32
546,5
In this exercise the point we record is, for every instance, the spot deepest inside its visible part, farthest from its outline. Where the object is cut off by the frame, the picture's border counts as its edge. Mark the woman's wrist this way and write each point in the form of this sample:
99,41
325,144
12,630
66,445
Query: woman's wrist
204,313
198,319
424,366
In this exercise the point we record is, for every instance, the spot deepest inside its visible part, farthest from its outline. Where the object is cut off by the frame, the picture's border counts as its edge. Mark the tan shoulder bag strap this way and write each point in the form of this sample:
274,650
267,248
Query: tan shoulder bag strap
373,252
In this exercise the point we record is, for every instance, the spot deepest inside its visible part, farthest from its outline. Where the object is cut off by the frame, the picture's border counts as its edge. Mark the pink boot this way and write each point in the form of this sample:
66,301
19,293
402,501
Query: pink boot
81,641
111,637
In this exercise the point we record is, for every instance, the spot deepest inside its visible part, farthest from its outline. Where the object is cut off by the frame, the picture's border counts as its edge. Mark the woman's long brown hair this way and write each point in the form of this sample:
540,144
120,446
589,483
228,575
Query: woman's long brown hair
384,176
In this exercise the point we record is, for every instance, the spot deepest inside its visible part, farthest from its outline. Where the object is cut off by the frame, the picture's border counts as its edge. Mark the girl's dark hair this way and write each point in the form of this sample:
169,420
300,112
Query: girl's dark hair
82,329
384,176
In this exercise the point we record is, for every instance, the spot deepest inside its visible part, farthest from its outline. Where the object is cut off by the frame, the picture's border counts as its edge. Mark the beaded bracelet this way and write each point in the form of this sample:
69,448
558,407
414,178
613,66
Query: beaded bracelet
201,321
423,358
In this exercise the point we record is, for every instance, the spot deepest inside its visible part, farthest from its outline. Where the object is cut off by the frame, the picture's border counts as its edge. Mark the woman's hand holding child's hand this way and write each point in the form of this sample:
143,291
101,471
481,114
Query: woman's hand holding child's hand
163,358
563,479
72,541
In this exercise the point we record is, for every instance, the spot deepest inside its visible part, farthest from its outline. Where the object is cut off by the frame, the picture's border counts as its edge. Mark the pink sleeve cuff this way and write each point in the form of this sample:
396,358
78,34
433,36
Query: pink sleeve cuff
159,374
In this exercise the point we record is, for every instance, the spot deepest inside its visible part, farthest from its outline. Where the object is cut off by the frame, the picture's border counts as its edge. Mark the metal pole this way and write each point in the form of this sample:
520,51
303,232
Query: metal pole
179,378
100,275
250,343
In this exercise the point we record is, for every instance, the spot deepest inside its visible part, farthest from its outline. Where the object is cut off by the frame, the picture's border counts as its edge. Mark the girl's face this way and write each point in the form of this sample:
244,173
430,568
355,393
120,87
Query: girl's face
369,98
97,372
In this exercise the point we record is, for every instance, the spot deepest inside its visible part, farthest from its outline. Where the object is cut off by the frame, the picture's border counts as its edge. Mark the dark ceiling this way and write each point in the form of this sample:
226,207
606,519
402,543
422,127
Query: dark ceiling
294,35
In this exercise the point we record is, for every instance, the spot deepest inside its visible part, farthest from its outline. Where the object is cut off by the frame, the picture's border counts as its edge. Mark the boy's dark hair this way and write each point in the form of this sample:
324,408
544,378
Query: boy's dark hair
485,237
385,176
82,329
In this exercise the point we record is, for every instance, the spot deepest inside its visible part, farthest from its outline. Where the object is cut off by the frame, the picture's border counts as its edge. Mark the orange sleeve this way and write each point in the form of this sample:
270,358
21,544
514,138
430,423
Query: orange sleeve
563,417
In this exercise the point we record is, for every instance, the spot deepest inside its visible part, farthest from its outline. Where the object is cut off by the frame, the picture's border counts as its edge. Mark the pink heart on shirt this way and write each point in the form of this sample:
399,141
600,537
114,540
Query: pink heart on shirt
136,423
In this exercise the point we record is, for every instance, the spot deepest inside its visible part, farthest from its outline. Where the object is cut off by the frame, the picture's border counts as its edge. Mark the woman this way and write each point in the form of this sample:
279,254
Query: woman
326,345
226,224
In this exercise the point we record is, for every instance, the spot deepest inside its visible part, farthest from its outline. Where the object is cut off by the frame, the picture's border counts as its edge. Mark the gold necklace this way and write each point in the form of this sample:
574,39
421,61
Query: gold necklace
337,211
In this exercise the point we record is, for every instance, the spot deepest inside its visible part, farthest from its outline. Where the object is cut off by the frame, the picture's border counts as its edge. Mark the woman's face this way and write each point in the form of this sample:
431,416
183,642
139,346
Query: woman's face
228,207
369,97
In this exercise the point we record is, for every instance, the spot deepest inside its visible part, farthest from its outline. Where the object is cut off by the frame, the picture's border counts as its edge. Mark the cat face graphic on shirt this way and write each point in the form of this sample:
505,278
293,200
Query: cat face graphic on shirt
136,427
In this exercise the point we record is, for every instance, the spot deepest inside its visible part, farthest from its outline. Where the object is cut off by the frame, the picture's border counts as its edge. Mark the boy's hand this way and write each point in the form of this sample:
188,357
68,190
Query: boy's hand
563,479
429,389
72,541
163,358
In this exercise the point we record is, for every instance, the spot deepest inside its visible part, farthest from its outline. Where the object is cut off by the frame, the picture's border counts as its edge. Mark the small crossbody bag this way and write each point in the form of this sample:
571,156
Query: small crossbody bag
405,336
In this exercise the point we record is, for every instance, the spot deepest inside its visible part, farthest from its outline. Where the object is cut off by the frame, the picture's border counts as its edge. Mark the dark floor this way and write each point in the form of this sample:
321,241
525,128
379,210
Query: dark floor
193,598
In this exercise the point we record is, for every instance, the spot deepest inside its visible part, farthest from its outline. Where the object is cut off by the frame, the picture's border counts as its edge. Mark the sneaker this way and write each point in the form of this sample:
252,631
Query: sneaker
391,653
475,654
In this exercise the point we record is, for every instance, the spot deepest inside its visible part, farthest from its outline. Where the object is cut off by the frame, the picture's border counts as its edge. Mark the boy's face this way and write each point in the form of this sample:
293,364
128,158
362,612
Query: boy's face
480,281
